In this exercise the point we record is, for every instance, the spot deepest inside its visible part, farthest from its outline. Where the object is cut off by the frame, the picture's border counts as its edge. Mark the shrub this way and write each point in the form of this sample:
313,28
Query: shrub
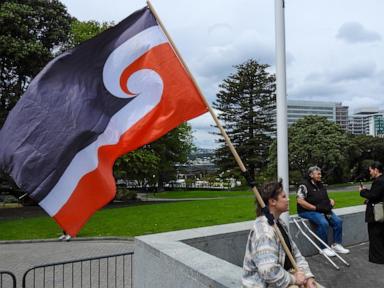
123,194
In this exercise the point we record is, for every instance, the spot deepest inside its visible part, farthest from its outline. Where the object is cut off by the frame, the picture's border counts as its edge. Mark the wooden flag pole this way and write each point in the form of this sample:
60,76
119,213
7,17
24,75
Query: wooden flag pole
224,134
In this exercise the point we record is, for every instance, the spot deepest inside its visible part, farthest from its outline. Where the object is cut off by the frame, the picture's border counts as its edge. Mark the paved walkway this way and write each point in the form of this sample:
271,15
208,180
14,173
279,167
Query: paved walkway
361,273
346,188
18,257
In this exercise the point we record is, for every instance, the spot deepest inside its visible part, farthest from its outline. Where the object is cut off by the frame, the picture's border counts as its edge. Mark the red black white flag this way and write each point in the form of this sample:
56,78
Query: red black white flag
87,107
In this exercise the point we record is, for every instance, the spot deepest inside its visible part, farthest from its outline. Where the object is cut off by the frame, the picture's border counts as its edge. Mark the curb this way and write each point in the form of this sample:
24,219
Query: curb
128,239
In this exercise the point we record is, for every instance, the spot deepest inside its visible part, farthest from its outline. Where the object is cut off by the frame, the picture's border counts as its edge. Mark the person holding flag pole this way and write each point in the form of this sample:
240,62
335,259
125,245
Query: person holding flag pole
265,263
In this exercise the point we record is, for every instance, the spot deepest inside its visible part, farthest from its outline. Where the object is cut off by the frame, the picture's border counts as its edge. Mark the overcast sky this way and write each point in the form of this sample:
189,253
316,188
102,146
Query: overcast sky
334,47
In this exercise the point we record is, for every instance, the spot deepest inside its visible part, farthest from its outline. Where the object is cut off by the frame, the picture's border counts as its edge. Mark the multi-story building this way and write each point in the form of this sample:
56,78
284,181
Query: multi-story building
376,125
360,122
356,125
366,121
333,111
342,116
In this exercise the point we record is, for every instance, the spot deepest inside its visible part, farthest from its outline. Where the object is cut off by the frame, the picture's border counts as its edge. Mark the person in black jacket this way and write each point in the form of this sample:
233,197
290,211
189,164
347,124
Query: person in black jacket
314,204
375,229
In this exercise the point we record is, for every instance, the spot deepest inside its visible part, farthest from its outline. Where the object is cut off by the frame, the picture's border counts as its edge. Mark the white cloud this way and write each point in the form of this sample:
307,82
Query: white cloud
354,32
204,131
215,63
352,72
356,103
318,91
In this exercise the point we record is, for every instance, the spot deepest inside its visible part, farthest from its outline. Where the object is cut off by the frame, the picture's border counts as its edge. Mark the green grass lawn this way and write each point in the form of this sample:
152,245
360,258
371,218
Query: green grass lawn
146,219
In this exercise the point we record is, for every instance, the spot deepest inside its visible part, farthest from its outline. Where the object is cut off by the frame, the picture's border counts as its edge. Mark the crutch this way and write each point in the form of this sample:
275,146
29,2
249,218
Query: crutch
314,244
325,244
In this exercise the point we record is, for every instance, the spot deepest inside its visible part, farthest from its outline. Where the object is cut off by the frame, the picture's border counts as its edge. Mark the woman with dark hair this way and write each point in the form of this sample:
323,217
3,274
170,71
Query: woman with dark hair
375,229
265,262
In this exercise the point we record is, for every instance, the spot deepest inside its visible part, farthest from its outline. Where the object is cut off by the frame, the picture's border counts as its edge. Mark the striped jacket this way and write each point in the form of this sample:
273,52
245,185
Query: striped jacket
264,258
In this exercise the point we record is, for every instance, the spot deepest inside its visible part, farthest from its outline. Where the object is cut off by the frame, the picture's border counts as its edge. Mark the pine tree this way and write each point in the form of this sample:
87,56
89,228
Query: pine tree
246,103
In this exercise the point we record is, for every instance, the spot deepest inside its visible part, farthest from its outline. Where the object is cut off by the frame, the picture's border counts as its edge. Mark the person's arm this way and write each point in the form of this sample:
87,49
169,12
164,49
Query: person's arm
301,262
301,195
311,283
266,260
306,204
375,193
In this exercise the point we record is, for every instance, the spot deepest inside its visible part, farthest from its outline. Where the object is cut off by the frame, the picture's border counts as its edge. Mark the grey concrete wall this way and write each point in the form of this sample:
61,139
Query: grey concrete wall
212,256
229,246
164,260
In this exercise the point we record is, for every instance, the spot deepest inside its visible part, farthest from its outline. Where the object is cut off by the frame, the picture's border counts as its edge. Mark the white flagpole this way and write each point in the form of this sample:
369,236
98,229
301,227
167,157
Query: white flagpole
281,100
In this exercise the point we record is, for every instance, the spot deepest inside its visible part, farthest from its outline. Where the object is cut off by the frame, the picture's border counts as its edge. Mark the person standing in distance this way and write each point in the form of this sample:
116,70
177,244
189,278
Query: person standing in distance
314,204
375,229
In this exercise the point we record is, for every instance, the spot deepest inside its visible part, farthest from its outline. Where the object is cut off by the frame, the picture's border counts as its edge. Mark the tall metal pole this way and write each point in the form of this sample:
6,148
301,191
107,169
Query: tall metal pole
281,98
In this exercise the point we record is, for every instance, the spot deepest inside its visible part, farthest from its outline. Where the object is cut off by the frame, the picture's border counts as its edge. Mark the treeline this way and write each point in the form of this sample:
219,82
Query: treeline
343,157
246,102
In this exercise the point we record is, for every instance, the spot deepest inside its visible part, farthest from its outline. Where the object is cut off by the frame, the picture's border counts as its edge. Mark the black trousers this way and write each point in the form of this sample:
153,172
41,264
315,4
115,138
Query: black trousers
376,242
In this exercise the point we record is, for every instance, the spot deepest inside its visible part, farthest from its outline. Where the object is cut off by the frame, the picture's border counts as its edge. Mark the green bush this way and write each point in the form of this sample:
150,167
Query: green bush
123,194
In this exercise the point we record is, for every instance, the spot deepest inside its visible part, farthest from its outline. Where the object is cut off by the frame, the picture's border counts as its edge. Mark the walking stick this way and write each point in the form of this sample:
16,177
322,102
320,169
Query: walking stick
325,244
249,178
314,244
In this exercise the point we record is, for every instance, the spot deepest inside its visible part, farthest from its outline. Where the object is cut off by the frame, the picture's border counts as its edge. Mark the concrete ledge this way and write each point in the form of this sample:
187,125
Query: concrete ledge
212,256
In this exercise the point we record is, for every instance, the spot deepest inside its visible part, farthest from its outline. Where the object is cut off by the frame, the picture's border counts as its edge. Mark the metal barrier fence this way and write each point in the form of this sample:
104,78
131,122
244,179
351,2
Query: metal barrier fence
7,280
108,271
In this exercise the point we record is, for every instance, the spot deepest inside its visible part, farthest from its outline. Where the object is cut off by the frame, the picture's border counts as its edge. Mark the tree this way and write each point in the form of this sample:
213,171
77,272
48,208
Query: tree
156,162
139,165
31,33
314,140
173,148
85,30
364,149
246,103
